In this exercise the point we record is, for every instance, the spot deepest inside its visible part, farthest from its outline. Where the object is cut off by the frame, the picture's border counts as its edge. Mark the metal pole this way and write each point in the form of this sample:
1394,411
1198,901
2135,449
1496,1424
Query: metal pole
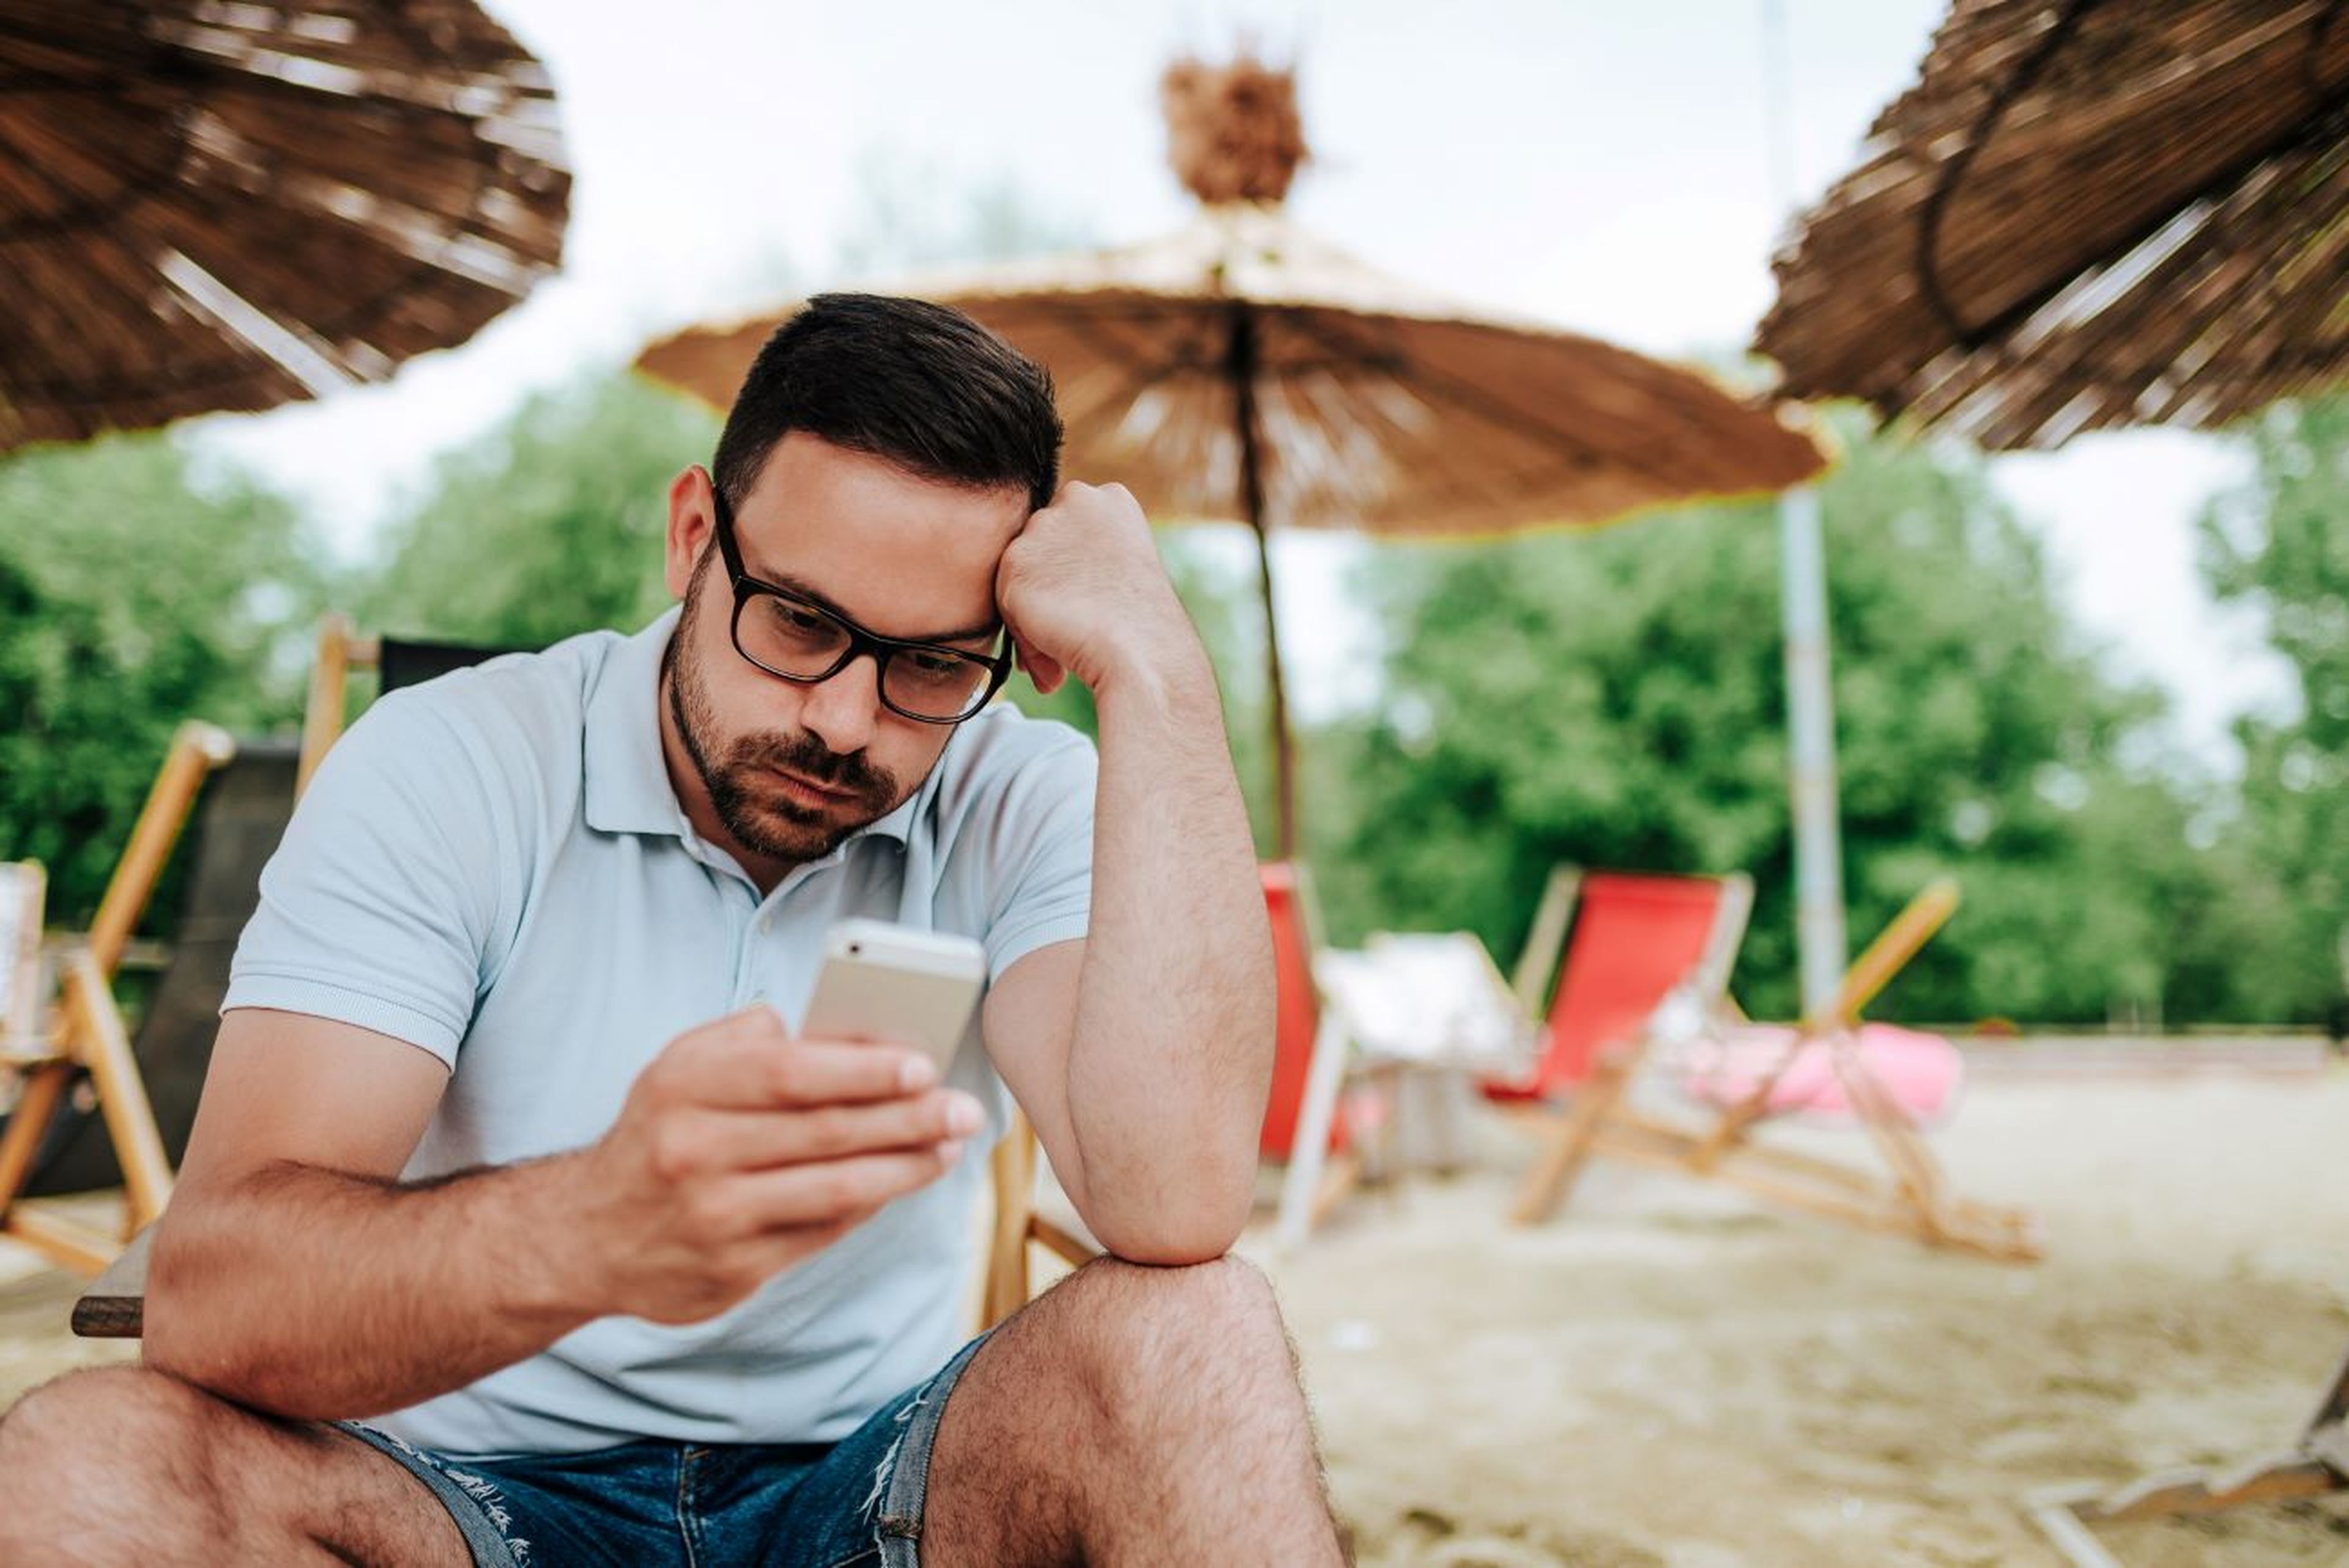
1810,696
1241,365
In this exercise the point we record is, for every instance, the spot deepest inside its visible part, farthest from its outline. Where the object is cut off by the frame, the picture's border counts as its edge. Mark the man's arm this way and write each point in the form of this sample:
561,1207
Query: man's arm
1143,1053
297,1275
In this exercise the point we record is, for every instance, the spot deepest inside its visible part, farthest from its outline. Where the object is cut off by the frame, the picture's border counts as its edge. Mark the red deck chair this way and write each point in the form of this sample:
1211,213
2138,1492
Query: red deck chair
1637,940
1663,913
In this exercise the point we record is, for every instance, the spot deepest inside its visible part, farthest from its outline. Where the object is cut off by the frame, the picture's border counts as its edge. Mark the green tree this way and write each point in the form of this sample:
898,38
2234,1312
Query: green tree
134,594
1617,700
2281,542
549,524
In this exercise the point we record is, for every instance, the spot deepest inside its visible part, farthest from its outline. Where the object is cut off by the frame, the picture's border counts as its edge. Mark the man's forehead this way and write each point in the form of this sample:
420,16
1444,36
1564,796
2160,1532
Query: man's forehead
898,552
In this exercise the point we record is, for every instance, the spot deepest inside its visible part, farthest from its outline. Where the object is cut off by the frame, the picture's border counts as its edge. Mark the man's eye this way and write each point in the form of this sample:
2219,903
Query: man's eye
792,618
939,666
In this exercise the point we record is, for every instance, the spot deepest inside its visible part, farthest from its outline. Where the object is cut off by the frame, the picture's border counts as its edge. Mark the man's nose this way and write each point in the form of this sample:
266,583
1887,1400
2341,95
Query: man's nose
840,710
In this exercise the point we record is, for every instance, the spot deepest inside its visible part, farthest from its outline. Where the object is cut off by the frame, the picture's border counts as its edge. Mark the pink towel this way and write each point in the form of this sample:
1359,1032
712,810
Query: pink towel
1922,1072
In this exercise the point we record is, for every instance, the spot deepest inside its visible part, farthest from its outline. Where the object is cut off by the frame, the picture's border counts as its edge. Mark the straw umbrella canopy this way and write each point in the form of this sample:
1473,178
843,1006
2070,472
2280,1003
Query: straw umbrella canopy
215,207
1242,369
2086,214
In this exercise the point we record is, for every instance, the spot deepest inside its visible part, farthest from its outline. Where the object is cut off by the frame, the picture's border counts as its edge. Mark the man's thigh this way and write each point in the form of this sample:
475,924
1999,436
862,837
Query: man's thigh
123,1464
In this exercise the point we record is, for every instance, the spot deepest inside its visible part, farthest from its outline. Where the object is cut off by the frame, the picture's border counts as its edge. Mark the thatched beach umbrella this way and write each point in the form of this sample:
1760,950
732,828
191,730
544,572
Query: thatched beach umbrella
2084,214
207,206
1241,369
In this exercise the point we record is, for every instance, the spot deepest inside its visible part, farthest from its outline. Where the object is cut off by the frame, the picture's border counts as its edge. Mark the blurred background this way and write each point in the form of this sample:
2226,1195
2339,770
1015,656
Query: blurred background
2067,598
2106,684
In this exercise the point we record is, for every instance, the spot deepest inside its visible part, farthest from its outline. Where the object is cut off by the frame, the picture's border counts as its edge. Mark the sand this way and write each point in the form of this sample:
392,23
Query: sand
1670,1374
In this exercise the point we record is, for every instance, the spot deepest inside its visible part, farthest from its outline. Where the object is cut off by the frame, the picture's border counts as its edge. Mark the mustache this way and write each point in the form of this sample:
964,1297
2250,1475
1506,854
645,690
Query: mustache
809,758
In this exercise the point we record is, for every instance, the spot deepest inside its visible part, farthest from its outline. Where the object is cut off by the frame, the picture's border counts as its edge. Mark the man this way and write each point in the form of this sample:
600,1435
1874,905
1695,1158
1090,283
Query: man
505,1152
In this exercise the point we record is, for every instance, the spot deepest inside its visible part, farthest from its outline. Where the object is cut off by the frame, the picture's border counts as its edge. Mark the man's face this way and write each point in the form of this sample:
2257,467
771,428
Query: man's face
780,773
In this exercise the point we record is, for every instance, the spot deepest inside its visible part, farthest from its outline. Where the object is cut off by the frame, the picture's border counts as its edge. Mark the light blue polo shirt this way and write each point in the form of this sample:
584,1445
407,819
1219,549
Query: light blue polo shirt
494,868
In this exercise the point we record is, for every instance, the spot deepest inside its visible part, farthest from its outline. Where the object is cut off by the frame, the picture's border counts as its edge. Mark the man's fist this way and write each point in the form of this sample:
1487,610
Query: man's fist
1084,593
741,1151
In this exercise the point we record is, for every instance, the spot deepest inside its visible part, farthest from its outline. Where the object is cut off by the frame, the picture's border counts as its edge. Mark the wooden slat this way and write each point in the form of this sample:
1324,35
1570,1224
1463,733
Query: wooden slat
114,1306
196,749
100,1044
66,1242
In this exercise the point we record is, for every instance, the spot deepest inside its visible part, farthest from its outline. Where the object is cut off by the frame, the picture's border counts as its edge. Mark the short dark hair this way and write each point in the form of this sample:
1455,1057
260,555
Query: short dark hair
920,384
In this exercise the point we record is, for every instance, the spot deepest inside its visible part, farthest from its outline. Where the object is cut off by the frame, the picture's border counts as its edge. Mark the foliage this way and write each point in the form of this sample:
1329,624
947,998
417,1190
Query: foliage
547,525
135,593
1617,700
2281,542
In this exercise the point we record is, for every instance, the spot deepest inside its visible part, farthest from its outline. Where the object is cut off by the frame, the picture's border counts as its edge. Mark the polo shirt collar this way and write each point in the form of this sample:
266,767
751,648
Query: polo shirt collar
627,785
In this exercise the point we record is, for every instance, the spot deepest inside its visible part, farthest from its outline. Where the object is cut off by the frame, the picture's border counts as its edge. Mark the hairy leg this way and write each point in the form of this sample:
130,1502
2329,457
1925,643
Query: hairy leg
1131,1415
124,1465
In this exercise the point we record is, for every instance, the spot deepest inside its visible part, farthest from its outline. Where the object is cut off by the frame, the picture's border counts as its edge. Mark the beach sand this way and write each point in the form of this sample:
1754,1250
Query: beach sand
1671,1374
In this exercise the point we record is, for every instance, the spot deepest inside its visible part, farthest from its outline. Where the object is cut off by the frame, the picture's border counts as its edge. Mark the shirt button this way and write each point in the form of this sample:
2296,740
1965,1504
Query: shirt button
766,923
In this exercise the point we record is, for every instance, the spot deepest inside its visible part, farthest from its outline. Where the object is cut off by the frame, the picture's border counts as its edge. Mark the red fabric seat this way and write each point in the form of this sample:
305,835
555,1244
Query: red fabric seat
1298,1012
1636,937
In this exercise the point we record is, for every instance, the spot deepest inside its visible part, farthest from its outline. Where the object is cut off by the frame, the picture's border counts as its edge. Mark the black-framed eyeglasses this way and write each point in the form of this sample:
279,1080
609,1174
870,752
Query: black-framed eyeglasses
793,638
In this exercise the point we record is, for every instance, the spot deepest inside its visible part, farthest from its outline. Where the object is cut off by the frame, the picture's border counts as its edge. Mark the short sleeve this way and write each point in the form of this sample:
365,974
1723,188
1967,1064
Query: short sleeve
379,908
1043,884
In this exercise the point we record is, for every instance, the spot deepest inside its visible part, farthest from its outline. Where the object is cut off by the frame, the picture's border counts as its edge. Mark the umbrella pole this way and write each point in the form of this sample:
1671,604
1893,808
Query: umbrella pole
1819,932
1242,365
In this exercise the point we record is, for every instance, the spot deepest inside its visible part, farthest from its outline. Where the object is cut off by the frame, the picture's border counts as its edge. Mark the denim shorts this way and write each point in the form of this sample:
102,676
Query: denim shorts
699,1505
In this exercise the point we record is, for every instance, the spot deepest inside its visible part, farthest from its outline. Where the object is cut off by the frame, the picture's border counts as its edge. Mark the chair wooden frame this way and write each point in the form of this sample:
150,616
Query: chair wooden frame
2317,1467
340,651
1017,1226
1915,1201
1569,1135
88,1034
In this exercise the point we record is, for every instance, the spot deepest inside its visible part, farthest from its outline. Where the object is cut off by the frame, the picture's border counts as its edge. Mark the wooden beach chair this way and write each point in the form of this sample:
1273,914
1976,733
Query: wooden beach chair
397,661
86,1041
1639,942
2318,1466
1911,1198
235,827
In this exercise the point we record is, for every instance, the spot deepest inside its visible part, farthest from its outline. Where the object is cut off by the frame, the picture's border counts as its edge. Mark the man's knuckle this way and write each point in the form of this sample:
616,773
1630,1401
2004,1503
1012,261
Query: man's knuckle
826,1129
676,1152
836,1192
789,1075
709,1213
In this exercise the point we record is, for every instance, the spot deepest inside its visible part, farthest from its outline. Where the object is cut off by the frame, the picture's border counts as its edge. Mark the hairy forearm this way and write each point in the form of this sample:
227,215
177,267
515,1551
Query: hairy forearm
1173,1043
319,1295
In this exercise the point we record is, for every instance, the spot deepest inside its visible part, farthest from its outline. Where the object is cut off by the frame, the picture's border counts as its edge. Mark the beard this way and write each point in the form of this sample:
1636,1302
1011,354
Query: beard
740,774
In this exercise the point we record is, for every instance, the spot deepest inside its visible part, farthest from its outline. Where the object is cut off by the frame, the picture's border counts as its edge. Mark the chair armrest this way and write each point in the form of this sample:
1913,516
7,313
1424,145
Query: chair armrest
114,1306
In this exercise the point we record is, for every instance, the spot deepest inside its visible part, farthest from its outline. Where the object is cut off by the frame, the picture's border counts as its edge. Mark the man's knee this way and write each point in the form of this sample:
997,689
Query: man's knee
1155,1328
113,1433
1222,1290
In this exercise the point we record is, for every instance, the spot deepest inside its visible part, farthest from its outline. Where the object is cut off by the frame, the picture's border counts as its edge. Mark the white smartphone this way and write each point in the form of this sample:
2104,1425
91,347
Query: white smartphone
895,983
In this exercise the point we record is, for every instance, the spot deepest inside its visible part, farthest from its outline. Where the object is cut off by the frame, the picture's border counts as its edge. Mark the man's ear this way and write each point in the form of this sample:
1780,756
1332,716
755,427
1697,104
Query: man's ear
692,526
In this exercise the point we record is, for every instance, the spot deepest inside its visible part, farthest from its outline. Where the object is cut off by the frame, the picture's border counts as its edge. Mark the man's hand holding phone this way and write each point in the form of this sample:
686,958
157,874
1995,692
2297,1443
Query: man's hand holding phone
742,1149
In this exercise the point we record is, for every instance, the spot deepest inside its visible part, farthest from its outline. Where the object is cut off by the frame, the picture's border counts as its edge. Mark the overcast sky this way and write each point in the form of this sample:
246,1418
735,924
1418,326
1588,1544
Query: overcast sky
1601,165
